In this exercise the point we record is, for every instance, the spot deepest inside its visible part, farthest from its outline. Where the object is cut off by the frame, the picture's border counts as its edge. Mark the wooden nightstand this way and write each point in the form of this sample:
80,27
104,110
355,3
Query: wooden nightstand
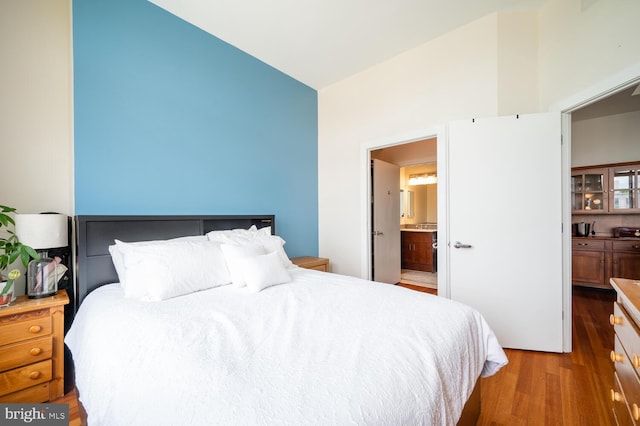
32,349
311,262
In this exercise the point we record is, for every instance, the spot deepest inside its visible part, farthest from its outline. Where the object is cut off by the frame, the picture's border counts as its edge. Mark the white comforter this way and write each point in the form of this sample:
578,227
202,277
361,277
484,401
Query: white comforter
324,349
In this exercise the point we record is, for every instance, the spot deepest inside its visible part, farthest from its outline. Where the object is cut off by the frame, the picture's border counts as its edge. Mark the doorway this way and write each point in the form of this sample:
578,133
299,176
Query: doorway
417,222
565,107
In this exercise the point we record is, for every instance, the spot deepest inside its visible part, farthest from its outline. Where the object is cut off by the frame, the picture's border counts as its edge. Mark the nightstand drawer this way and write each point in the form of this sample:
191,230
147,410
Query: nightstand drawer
34,394
28,352
37,324
24,377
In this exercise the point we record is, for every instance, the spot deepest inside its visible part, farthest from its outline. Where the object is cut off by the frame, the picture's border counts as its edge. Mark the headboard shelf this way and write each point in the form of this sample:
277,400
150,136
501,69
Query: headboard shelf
94,235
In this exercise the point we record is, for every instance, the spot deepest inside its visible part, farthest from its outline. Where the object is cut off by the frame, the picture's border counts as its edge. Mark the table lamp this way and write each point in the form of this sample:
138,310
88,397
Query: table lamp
42,232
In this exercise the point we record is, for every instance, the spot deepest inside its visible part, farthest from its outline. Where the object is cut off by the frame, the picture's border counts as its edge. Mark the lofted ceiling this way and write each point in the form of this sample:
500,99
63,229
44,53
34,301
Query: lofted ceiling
324,41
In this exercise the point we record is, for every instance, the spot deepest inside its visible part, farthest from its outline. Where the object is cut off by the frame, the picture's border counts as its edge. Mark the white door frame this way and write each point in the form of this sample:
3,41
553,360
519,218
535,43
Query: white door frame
597,91
365,189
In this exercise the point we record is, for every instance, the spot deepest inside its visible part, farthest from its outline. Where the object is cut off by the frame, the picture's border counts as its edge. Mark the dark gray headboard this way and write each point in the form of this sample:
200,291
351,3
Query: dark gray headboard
94,235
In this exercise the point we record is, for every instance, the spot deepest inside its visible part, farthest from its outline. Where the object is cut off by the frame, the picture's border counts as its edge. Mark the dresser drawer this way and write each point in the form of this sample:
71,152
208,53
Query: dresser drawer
629,381
37,324
627,332
27,352
24,377
620,411
587,244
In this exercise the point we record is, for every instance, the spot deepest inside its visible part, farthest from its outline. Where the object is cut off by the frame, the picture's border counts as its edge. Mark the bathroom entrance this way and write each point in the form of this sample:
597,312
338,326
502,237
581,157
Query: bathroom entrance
417,220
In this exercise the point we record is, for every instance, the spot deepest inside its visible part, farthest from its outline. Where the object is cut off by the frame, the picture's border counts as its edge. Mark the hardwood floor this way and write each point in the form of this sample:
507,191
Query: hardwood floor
538,388
77,417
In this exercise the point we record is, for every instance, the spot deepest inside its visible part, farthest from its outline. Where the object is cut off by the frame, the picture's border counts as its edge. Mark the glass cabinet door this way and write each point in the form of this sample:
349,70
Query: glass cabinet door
589,191
624,188
576,192
594,191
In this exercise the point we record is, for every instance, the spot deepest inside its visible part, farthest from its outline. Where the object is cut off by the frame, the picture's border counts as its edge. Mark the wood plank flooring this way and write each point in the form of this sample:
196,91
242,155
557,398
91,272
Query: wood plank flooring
538,388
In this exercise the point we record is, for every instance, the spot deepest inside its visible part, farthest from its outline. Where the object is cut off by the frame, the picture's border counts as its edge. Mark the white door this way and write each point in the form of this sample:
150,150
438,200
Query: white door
386,222
505,226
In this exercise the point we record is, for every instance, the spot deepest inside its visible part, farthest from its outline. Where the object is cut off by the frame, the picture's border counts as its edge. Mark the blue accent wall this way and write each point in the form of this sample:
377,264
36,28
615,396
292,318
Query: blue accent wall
171,120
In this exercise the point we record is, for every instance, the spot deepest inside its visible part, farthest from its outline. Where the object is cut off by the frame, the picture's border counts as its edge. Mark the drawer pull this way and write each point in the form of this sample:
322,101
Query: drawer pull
635,411
615,396
616,357
636,361
636,246
583,244
34,329
34,375
614,320
35,351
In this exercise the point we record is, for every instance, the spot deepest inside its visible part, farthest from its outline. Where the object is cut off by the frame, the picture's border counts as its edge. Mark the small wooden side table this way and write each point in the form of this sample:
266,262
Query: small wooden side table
32,349
312,262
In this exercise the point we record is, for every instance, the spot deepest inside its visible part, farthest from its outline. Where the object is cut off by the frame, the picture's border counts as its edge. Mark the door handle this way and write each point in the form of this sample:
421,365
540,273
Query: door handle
458,244
377,233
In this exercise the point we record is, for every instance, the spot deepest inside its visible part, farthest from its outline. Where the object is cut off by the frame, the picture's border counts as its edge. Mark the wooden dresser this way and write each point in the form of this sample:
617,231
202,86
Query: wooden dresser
311,262
32,349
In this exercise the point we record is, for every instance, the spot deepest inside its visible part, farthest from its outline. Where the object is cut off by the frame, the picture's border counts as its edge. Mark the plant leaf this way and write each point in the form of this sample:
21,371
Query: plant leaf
31,252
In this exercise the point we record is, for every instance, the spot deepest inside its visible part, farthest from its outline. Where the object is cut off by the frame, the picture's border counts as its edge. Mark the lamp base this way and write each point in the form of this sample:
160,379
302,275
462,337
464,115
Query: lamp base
41,295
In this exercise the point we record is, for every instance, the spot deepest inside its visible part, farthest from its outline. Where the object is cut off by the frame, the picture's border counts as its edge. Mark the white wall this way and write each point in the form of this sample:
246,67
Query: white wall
517,63
454,76
36,105
605,140
582,43
36,108
470,72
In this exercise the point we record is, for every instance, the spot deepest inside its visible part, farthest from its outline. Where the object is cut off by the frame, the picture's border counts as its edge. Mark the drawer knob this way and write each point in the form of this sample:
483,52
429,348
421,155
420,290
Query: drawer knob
616,357
34,375
35,329
615,396
635,411
35,351
614,320
636,361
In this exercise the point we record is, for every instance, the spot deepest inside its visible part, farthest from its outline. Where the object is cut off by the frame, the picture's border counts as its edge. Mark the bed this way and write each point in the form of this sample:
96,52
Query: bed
292,348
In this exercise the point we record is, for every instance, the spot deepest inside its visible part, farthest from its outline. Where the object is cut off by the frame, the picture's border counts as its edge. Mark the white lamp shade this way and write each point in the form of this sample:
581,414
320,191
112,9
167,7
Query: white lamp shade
42,231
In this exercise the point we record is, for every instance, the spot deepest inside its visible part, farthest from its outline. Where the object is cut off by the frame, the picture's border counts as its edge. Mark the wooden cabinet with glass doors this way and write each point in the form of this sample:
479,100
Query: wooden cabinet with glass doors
589,190
611,188
623,189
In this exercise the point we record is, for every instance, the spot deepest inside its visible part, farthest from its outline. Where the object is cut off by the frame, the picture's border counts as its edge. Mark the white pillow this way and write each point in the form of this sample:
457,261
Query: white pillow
253,235
118,262
273,243
264,271
235,255
161,271
231,236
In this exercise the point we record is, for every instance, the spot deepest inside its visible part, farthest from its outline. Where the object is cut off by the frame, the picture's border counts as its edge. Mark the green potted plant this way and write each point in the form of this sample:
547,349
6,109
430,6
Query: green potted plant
11,249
